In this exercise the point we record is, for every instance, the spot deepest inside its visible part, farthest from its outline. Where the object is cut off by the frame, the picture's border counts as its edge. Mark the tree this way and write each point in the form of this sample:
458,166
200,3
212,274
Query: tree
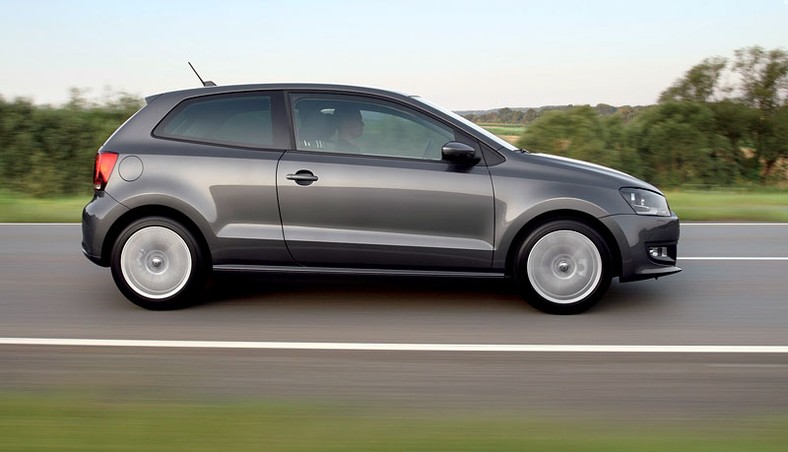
764,86
764,77
746,113
699,84
577,133
677,144
626,113
774,141
605,109
734,120
530,116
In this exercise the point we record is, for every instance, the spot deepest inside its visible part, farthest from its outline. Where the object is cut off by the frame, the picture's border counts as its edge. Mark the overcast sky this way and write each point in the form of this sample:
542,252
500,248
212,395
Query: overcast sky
463,55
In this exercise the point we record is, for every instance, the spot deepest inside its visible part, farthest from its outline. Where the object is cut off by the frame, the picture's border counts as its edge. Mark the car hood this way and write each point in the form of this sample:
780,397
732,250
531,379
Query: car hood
589,170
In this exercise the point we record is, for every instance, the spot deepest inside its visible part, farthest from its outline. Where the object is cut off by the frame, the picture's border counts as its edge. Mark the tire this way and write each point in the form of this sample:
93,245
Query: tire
563,267
158,265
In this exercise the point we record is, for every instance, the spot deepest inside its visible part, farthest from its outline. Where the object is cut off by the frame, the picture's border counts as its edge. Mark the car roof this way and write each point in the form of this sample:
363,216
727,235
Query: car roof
324,87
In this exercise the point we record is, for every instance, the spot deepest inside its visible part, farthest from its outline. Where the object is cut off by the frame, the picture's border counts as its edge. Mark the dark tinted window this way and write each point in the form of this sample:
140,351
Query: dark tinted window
240,120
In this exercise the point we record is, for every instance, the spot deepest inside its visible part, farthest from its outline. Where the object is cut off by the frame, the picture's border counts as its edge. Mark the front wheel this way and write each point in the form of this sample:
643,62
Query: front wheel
563,267
157,264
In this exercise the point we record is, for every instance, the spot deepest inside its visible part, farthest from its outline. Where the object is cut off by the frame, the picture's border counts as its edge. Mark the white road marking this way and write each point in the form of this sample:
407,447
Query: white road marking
732,258
732,224
40,224
750,366
360,346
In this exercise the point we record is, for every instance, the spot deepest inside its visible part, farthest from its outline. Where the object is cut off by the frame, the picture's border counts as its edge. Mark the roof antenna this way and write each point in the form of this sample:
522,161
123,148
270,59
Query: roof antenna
204,83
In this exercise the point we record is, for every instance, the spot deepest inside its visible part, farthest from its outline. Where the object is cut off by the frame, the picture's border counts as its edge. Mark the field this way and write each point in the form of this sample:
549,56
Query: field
90,422
509,132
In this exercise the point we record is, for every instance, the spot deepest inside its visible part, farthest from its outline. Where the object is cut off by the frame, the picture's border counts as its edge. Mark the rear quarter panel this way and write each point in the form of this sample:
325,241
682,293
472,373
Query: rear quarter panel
230,194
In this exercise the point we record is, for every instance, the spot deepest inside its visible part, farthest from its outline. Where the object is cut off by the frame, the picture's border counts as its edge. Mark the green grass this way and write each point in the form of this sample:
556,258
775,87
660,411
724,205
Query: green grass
689,205
39,422
730,205
505,130
22,209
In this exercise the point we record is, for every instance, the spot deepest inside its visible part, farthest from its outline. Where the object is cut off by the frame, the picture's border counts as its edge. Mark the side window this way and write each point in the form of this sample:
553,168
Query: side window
361,126
236,120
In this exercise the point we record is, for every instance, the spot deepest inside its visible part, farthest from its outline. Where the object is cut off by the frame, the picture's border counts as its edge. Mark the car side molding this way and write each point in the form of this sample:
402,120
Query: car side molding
356,271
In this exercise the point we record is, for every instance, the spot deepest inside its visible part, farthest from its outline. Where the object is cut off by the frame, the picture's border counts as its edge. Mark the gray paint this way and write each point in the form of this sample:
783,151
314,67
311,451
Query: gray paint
377,211
362,211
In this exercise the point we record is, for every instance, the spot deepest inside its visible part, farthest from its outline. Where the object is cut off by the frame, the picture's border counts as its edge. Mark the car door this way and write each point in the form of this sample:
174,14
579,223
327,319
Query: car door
366,187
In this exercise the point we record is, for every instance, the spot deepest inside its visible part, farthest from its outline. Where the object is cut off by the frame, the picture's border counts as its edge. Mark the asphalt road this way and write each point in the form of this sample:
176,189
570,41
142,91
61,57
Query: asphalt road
49,290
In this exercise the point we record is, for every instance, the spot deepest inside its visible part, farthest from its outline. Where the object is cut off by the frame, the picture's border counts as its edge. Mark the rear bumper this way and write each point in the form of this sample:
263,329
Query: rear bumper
97,217
93,258
636,235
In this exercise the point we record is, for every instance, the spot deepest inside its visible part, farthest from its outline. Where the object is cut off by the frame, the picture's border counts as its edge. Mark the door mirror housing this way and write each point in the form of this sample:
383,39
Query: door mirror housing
458,152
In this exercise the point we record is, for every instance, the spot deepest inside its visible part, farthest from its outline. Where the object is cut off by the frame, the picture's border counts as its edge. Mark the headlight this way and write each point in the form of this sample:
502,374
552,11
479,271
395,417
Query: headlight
646,202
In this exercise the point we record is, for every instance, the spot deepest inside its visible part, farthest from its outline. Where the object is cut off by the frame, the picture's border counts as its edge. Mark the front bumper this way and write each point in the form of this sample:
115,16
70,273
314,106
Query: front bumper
636,235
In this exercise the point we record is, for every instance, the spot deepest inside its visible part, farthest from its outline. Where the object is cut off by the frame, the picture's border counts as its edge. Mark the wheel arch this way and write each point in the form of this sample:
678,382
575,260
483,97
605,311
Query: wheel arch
563,214
153,210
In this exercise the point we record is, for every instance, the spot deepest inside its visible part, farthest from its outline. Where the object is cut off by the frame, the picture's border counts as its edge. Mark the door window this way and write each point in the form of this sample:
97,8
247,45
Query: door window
353,125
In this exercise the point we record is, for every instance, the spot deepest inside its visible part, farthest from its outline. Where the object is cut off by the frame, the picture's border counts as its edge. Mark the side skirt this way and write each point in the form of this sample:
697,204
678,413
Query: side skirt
355,271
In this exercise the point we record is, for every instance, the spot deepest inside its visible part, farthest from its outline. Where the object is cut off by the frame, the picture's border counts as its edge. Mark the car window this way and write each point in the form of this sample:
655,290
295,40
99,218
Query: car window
241,120
347,124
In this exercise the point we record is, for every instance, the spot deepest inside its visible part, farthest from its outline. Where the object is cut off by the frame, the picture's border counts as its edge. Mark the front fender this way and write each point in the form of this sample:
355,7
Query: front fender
514,228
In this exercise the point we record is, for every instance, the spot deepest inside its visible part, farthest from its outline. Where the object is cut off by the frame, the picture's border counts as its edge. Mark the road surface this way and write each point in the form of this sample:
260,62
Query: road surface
732,293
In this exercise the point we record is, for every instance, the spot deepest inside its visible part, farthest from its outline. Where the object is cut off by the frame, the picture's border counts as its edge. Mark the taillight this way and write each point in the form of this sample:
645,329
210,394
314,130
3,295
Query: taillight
105,162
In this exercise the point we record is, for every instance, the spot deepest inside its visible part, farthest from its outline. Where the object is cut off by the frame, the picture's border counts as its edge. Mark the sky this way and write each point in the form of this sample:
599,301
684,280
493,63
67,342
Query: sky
464,55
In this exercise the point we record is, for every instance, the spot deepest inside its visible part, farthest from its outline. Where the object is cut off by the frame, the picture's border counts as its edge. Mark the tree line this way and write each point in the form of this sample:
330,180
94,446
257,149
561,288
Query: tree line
526,116
725,122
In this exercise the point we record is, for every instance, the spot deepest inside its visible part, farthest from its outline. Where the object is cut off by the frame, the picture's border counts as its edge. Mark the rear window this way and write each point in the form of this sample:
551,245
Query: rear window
235,120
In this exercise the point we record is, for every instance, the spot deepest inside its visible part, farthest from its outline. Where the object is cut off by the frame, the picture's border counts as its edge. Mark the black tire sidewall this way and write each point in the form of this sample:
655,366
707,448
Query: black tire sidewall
524,283
190,292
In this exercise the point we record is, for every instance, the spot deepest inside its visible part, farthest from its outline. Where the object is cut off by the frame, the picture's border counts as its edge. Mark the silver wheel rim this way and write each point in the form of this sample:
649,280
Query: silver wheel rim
564,267
156,262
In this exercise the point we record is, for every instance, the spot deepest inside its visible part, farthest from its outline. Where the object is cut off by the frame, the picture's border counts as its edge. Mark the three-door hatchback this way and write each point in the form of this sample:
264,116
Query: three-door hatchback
300,178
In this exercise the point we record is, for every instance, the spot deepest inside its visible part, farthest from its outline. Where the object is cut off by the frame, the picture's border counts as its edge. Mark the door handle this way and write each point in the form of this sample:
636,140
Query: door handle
302,177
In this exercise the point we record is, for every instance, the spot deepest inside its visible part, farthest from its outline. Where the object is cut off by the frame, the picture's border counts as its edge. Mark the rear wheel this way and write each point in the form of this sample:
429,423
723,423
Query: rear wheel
157,264
563,267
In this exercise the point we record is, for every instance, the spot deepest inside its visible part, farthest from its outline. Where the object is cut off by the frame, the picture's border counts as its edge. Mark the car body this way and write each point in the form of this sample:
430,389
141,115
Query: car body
303,178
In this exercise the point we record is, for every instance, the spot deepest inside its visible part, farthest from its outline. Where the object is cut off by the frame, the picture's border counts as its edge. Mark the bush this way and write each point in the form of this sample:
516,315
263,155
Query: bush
49,151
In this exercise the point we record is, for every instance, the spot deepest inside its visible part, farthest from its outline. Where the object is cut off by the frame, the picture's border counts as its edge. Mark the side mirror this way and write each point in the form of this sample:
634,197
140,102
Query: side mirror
454,152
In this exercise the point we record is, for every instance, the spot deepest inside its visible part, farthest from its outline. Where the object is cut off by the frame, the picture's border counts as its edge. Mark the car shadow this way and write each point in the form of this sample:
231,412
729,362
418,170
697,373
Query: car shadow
646,297
228,288
380,291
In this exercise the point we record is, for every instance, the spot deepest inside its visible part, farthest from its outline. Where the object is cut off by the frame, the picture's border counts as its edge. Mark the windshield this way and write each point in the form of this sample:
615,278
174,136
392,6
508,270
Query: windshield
500,141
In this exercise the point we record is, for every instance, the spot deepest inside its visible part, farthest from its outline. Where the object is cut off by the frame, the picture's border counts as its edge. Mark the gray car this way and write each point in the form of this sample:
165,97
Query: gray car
303,178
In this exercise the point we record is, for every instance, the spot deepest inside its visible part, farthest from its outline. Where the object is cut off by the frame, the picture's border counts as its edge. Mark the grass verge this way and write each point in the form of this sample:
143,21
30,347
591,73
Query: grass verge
730,206
39,422
689,205
22,209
